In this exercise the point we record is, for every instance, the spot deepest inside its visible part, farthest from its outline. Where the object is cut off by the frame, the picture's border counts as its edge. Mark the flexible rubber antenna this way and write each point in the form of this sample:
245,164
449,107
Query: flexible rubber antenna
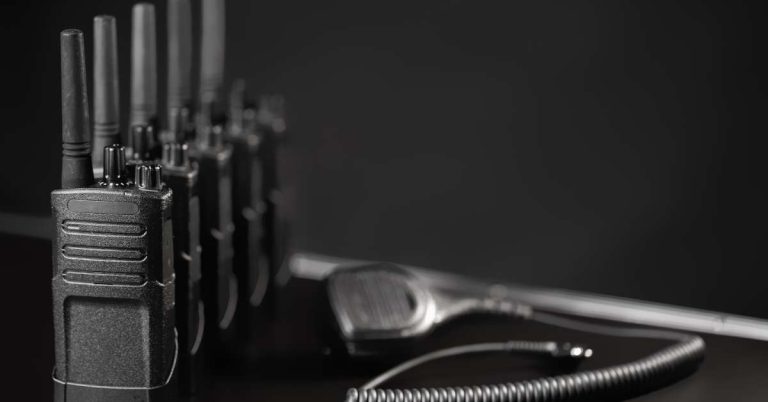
76,167
143,65
212,50
106,88
179,53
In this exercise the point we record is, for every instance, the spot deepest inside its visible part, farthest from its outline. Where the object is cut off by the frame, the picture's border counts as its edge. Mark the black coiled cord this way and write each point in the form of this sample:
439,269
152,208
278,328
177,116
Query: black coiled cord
611,383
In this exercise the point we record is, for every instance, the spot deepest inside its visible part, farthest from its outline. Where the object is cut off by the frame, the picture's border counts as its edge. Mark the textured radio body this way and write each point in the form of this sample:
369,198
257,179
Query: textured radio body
274,241
251,265
183,181
113,294
216,230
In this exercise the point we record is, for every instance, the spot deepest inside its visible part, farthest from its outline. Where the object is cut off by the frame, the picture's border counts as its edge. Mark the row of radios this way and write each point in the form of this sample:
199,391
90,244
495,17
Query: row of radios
164,249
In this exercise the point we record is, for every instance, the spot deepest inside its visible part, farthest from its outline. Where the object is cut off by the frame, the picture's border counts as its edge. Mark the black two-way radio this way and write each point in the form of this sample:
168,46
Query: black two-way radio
113,281
178,173
181,175
270,124
251,264
214,159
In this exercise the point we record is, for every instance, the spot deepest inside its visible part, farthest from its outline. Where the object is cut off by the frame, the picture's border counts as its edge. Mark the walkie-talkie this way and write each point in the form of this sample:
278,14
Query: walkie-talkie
251,266
214,157
113,281
181,175
270,123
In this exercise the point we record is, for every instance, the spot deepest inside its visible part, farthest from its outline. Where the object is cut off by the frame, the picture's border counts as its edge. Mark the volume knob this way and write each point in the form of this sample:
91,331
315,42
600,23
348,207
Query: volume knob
114,165
178,124
175,155
211,136
144,144
149,177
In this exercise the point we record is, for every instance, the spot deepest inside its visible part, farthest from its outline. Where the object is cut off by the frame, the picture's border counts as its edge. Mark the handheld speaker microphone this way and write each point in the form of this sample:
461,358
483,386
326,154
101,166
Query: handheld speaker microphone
113,282
380,305
214,158
106,88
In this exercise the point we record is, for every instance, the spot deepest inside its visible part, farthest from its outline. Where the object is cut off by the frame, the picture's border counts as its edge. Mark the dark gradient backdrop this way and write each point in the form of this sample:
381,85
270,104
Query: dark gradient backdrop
605,146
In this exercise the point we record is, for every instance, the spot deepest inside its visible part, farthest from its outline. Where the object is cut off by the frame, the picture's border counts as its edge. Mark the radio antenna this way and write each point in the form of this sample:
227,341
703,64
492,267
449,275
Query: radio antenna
212,50
179,53
179,68
143,65
106,90
76,167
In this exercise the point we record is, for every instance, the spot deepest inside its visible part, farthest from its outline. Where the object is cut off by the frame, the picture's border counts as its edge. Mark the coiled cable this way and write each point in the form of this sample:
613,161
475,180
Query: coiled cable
610,383
546,349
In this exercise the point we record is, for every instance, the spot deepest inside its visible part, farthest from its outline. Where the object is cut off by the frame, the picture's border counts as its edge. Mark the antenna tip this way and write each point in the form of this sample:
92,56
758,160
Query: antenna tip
143,5
67,33
71,40
104,18
104,26
143,15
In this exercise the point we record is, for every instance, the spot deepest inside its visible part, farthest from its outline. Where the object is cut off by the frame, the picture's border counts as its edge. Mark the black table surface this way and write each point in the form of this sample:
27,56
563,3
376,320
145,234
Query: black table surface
289,361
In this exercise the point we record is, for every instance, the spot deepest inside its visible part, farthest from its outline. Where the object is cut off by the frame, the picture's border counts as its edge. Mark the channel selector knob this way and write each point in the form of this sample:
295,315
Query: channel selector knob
114,166
149,177
175,155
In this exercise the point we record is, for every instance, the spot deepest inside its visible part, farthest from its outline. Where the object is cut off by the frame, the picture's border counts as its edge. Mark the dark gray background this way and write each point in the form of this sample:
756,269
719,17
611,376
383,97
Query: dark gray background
607,146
